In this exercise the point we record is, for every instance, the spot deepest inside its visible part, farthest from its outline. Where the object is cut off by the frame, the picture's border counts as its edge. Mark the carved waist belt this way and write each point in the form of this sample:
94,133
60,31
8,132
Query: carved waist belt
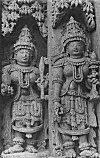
27,130
74,132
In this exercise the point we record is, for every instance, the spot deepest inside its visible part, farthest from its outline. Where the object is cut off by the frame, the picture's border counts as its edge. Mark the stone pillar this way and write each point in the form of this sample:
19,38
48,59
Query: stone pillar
96,48
50,51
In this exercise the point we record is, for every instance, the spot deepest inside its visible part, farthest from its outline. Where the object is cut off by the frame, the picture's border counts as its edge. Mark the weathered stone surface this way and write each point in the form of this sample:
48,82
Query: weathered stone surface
28,132
61,127
62,137
44,154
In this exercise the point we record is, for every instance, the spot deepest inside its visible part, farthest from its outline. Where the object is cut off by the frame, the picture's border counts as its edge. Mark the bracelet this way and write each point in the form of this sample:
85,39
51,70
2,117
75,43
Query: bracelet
68,145
57,80
56,100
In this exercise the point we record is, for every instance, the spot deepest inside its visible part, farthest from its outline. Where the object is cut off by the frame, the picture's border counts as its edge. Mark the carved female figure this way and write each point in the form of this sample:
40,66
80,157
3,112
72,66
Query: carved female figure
72,83
20,79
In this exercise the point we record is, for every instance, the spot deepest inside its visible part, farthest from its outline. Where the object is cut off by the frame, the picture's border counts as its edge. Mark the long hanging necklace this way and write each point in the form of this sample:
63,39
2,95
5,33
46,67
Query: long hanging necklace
24,78
78,73
77,69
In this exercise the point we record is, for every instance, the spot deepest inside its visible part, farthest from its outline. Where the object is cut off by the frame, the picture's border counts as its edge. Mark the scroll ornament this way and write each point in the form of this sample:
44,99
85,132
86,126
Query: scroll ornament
59,8
15,9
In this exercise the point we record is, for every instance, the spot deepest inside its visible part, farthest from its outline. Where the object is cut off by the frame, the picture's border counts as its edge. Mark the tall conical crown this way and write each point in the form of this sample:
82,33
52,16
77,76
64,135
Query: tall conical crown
24,41
73,32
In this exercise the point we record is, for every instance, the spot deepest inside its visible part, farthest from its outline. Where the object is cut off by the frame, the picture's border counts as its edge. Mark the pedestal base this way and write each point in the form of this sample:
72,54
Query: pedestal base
44,154
97,155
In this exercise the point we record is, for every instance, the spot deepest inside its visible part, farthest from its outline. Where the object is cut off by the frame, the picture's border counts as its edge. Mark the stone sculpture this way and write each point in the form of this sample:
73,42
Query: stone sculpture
22,80
75,82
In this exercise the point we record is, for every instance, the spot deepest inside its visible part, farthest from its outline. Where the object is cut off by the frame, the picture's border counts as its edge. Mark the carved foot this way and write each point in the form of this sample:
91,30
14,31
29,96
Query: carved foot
87,153
70,153
16,148
31,149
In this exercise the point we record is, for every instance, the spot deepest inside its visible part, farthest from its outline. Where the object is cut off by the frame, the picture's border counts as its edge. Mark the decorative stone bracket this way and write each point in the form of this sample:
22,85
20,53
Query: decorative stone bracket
12,10
59,8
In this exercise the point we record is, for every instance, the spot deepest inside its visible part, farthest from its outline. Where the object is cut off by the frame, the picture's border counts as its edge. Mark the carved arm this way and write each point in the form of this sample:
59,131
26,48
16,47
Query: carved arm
93,77
6,89
57,84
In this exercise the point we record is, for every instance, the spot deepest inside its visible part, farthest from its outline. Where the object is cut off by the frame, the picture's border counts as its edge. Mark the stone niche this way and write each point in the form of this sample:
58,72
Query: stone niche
50,57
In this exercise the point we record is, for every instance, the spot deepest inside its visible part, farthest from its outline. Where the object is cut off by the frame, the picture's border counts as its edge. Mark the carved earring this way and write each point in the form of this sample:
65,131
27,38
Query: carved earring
66,51
14,58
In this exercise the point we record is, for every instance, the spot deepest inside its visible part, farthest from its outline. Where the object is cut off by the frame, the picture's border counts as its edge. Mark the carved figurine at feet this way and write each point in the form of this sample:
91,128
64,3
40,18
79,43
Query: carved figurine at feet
20,78
73,82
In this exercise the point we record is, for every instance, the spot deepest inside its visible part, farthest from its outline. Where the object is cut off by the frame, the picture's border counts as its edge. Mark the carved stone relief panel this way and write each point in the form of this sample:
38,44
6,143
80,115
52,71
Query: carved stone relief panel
24,79
72,57
50,79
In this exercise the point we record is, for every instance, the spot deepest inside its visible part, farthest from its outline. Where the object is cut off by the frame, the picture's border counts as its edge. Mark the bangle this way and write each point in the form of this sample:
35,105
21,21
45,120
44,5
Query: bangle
56,100
57,80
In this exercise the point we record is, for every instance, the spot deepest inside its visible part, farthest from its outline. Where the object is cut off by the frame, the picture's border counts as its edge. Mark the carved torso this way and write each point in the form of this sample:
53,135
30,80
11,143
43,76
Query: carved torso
75,72
76,65
24,78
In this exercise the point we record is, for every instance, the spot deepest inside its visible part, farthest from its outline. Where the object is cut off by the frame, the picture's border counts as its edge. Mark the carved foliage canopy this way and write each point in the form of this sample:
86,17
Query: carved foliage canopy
12,10
60,8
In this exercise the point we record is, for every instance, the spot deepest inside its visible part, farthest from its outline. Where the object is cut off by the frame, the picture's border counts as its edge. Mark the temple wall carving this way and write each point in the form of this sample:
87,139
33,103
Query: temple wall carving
50,97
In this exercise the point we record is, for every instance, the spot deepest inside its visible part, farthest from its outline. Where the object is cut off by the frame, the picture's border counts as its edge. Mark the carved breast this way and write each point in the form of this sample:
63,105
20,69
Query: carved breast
15,77
18,75
70,82
69,70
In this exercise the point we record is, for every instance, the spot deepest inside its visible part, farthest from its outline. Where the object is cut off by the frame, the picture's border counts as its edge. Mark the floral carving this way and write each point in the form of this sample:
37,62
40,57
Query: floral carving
15,9
61,6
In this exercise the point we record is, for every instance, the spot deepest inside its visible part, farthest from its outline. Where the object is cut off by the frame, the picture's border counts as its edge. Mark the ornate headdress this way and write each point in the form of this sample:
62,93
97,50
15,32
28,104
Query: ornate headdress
73,32
24,41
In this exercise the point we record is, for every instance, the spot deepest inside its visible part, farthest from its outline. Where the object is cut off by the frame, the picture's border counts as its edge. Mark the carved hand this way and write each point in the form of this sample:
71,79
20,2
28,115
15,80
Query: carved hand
94,82
58,111
6,89
92,78
10,90
44,82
